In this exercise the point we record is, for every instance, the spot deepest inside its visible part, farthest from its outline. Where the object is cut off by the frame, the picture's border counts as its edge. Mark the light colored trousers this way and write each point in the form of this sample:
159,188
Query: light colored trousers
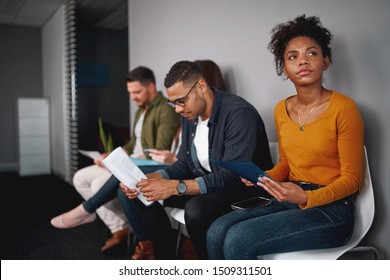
88,181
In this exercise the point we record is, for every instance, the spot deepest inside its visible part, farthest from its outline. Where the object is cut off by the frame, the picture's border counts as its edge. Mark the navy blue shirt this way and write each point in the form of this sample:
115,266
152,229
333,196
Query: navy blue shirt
236,133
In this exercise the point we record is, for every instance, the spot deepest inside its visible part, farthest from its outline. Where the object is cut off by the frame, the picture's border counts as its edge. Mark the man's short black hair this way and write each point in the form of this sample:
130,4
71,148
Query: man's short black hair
183,71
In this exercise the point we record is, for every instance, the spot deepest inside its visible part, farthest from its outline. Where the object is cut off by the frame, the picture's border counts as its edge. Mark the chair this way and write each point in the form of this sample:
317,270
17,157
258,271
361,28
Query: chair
364,215
177,215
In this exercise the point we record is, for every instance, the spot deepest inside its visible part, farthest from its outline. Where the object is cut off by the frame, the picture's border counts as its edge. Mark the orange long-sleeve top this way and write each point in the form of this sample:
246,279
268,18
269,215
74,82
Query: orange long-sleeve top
328,152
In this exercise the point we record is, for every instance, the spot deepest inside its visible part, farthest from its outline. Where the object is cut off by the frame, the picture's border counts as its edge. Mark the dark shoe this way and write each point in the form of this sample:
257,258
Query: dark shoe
117,238
144,251
186,249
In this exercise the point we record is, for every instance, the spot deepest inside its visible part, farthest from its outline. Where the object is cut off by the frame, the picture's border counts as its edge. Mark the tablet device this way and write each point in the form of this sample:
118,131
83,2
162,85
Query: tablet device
246,170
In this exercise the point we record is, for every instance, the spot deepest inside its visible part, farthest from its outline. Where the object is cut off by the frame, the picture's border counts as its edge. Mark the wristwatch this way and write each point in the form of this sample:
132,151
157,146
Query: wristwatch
181,188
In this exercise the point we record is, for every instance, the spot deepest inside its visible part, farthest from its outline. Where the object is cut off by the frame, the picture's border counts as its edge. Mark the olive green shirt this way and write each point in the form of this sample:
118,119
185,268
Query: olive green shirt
161,123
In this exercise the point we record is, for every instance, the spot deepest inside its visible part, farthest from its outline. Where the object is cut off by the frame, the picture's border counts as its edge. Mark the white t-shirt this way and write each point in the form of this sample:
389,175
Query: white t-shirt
176,144
138,150
201,142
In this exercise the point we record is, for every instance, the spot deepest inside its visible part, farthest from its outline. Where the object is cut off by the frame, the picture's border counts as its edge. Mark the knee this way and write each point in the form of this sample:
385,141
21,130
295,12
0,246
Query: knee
231,246
236,246
77,178
82,177
215,234
99,182
96,185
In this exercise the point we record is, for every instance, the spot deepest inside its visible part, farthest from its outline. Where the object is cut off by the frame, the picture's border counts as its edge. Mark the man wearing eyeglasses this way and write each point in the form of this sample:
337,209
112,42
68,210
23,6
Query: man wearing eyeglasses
216,125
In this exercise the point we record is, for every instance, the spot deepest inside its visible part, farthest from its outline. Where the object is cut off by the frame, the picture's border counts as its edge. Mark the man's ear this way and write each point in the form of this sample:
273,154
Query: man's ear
202,85
151,87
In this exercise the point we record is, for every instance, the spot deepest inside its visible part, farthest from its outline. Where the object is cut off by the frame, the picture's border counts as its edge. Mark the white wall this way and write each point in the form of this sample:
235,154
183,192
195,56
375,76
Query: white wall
235,34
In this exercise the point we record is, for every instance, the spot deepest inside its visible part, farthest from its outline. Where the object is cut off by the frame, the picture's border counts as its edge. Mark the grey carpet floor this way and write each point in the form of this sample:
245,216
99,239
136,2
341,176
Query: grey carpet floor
28,204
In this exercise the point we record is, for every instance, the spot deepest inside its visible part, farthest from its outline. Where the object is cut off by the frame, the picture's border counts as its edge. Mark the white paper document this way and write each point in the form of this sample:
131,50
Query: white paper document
124,169
91,154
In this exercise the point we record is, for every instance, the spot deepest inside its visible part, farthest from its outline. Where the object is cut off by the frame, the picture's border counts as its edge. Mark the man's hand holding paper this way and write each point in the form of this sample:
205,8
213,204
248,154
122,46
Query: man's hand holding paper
157,189
123,168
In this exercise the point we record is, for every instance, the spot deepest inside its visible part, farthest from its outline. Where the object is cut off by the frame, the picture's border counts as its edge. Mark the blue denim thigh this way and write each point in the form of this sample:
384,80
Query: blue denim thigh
148,222
133,215
219,228
106,193
284,227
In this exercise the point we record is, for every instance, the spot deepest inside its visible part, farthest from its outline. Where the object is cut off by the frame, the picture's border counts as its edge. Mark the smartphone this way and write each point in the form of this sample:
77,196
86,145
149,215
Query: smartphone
253,202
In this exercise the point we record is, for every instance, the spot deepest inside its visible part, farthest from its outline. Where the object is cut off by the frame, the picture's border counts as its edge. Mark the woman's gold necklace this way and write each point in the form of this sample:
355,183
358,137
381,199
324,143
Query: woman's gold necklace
302,124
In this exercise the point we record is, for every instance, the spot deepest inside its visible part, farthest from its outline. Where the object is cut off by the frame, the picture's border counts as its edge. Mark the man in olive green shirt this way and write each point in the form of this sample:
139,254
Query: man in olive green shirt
159,125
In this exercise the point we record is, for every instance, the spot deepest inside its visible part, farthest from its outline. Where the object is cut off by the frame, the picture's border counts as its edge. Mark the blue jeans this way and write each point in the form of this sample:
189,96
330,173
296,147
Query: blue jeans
280,227
152,223
106,193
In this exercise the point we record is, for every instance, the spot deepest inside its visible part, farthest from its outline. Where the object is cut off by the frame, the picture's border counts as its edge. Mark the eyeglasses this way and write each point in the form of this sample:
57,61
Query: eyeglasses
182,101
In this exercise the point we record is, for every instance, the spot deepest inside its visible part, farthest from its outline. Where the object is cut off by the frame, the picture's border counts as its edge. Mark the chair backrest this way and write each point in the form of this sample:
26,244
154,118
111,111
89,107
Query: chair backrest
365,205
364,216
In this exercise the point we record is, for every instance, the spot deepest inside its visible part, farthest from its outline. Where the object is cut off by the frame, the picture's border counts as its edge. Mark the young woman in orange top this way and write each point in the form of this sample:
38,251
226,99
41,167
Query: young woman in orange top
320,136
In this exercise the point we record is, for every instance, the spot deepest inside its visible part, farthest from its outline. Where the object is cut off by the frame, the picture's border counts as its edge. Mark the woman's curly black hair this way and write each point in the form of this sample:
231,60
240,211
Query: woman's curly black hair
300,26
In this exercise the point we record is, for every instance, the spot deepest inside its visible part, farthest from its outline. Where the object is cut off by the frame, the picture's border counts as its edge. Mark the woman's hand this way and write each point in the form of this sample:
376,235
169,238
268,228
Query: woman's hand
283,191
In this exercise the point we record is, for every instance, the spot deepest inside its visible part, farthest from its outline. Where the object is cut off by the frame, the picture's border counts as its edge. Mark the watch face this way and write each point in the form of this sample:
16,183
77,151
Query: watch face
181,188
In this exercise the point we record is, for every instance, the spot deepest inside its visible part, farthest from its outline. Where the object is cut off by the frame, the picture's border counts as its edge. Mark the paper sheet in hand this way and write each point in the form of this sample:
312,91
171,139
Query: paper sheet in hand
246,170
124,169
90,154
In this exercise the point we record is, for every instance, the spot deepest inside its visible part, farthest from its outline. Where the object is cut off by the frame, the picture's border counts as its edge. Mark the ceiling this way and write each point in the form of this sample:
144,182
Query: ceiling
111,14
